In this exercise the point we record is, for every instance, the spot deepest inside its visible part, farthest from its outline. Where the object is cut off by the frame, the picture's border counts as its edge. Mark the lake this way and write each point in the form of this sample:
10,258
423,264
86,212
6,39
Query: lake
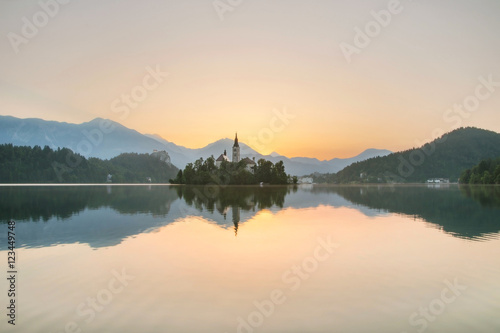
252,259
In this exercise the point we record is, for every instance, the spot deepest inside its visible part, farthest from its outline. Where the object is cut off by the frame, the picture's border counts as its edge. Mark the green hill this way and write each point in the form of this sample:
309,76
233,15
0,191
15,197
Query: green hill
43,165
445,157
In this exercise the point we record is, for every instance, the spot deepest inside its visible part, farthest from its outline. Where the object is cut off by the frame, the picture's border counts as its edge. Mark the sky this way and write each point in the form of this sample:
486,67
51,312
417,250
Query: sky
312,78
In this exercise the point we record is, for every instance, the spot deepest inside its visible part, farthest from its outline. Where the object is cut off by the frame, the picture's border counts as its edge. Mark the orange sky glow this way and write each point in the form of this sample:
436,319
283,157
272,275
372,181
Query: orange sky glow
194,74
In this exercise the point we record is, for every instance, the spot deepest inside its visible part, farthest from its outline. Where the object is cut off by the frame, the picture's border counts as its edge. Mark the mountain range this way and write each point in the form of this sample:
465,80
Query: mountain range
106,139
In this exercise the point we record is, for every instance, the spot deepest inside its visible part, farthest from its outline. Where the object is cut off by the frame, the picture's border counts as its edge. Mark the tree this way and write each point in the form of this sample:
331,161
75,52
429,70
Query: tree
465,177
209,164
189,173
496,174
179,179
486,172
279,175
475,179
263,171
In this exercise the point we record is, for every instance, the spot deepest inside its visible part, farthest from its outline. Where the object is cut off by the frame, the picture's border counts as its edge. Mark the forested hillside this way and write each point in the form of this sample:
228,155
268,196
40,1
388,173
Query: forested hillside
445,157
44,165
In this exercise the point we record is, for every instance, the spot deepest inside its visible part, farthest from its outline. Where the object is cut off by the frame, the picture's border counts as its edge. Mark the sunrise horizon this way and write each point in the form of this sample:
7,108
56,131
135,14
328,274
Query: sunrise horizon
350,76
255,139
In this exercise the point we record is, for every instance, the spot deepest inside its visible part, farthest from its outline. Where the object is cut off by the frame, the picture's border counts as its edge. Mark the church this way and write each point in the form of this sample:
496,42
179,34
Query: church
250,163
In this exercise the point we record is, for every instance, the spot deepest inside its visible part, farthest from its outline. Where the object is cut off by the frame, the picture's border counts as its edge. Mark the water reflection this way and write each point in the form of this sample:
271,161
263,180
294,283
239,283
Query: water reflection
465,211
233,200
105,215
487,196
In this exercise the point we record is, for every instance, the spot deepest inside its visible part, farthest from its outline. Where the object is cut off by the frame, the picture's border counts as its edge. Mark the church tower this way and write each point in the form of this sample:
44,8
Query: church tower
236,150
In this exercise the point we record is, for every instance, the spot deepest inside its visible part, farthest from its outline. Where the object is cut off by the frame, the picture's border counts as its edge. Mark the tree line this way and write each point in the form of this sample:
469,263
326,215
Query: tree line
203,172
486,172
24,164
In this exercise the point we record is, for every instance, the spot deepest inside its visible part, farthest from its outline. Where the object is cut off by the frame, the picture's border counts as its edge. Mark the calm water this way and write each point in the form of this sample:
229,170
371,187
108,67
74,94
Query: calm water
253,259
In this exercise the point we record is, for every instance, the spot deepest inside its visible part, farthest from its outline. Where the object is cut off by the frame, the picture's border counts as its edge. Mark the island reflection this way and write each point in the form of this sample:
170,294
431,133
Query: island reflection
105,215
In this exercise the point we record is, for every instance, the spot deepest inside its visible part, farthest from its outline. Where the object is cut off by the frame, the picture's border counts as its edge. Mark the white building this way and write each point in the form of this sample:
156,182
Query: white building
222,157
250,164
438,180
305,180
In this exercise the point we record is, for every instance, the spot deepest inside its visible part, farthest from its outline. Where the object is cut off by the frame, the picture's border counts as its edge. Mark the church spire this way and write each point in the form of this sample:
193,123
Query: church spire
236,141
236,149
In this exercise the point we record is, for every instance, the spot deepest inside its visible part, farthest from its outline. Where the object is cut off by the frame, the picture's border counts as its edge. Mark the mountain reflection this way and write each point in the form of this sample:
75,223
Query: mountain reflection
105,215
465,211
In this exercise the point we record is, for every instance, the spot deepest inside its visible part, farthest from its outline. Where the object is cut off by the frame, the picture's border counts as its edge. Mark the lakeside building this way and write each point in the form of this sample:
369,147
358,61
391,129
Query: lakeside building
305,180
438,181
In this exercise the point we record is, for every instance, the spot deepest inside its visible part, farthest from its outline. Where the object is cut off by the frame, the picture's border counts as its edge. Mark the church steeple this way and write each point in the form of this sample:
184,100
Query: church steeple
236,141
236,150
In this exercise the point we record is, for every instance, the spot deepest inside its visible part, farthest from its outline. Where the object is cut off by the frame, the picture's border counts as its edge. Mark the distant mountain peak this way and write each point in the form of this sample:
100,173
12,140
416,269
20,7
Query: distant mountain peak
155,136
98,121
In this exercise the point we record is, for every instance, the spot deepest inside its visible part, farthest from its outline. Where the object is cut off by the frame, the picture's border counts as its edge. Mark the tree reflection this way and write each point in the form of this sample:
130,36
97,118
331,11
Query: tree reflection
486,195
471,212
235,199
467,211
37,203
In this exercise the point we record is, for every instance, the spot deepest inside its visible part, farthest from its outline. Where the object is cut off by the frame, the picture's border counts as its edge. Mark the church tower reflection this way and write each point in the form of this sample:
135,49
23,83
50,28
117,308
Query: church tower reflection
236,218
236,204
